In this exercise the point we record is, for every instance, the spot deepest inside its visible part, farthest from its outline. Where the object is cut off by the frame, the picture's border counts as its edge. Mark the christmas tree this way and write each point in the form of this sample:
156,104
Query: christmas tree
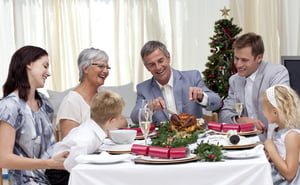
220,66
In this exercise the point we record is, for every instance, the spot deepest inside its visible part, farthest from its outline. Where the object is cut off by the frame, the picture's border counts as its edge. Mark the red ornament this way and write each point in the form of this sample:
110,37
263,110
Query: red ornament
211,156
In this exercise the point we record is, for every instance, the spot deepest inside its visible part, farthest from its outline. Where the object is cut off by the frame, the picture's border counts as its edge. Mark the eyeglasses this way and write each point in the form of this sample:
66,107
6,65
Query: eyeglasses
101,66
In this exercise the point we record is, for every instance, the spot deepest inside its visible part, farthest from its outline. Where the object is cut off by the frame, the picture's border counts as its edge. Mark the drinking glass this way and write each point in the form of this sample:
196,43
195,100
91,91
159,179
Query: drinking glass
239,107
145,120
148,104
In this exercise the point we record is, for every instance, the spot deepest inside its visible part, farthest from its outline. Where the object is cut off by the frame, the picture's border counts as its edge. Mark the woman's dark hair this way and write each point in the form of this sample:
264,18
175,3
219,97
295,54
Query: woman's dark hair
17,74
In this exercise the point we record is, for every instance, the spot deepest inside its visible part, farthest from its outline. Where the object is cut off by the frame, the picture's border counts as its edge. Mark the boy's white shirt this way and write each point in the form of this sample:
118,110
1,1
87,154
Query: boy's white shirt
82,140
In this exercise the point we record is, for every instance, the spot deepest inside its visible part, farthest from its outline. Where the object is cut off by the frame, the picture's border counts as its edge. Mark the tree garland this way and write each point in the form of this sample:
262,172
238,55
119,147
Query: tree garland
209,152
172,139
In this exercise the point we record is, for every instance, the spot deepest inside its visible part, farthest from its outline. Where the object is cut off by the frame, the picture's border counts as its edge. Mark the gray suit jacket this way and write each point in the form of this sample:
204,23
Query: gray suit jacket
267,75
149,89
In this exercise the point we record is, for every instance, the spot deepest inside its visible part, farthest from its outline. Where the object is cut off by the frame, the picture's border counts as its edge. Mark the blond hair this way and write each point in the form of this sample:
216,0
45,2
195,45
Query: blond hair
288,105
106,105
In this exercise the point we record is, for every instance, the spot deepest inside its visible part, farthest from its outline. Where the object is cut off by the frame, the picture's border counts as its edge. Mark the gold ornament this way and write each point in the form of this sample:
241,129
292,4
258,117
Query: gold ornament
225,12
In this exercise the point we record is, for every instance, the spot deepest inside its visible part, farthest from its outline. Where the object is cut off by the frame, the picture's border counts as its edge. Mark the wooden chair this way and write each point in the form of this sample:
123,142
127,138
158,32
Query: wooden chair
57,135
1,180
213,117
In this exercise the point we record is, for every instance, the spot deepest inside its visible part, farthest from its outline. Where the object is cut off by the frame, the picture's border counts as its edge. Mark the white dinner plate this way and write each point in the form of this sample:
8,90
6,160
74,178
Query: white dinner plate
150,160
159,159
102,158
152,134
116,148
243,154
247,133
245,142
240,155
113,148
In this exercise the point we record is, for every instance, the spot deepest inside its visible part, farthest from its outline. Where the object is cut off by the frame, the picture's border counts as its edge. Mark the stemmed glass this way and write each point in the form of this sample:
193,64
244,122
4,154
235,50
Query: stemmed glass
148,104
145,120
239,107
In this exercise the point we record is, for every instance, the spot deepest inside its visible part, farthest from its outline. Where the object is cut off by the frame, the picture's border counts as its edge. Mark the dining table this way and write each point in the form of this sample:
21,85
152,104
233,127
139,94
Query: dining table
230,171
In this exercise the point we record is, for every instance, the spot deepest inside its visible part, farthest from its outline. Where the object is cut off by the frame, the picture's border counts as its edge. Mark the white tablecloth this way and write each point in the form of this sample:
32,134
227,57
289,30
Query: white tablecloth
249,171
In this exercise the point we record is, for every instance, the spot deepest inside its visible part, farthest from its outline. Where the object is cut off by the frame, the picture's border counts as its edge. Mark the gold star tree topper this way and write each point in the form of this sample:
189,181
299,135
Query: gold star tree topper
225,12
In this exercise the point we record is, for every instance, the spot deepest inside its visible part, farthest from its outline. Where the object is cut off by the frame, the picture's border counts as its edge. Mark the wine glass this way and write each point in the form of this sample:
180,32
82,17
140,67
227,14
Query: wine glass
148,104
145,119
239,108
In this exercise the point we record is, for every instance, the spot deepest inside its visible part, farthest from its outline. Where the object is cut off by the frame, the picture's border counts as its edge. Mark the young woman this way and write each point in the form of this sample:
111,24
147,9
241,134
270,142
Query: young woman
281,105
26,132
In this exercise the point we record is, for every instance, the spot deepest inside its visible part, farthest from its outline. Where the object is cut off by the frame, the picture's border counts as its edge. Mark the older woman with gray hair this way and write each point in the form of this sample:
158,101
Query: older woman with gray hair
75,107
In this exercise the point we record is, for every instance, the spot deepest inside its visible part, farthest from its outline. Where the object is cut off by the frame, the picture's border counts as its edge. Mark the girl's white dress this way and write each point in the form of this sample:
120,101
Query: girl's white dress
278,139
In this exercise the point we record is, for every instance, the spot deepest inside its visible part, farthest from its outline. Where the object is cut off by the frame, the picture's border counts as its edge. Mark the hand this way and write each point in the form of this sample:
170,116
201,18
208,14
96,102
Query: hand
258,124
267,155
195,94
57,162
157,104
269,148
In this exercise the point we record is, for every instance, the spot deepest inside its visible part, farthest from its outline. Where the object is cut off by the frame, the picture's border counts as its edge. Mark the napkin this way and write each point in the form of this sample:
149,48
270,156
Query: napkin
103,157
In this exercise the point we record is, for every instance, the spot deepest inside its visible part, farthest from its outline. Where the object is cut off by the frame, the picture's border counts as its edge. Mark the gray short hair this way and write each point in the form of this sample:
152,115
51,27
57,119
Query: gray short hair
151,46
86,58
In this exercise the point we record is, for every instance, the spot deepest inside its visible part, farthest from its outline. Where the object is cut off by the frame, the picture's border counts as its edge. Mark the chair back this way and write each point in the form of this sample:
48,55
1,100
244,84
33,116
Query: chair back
1,180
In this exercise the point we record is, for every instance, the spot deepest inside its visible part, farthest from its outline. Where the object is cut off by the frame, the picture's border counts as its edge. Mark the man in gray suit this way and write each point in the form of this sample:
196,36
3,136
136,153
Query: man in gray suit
253,77
170,89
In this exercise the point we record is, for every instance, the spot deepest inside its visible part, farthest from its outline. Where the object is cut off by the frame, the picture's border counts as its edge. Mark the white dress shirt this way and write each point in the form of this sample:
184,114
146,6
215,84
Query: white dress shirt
248,96
84,139
168,93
